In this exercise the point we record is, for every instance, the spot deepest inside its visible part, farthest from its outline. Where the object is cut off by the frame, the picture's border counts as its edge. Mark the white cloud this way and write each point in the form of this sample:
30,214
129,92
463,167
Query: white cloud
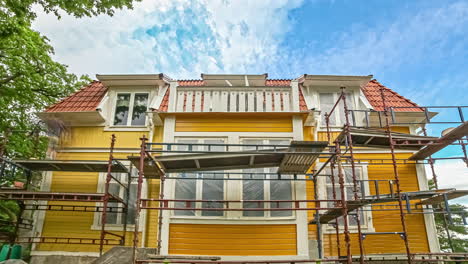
451,174
182,38
414,38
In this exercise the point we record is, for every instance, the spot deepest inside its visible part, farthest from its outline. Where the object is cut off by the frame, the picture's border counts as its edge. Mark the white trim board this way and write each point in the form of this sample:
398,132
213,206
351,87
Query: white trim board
64,253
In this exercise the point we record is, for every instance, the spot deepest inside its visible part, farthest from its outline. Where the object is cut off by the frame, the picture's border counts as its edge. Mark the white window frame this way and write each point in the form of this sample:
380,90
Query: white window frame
199,185
130,108
339,121
233,189
266,186
367,214
118,227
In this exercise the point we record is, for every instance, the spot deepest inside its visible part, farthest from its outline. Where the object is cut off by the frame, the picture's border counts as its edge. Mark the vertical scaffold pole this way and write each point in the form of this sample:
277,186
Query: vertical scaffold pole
436,185
160,218
106,195
127,201
317,223
344,205
353,171
138,198
332,179
397,177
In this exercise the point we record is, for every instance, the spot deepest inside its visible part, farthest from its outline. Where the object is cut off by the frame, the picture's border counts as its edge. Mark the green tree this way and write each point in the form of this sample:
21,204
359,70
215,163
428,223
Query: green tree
452,235
30,79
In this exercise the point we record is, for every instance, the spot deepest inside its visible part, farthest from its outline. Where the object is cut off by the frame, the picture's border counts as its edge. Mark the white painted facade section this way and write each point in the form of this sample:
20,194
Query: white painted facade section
235,99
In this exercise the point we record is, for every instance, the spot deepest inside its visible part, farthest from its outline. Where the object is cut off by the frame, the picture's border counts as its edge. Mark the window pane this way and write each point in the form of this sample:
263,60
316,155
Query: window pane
350,105
212,190
281,190
139,109
121,109
187,147
185,190
252,142
253,190
214,148
326,102
131,204
113,190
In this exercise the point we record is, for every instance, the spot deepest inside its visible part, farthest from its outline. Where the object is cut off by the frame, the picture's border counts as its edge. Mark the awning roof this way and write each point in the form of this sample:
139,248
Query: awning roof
297,158
455,134
71,165
366,137
427,197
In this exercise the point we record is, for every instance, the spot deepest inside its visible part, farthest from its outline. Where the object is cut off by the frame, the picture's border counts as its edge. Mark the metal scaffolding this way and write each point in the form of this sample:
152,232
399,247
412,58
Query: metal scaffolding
98,202
361,129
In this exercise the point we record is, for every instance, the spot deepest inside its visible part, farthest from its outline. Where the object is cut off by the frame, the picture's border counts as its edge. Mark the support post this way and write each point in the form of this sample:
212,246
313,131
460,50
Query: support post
397,177
106,196
332,179
160,212
353,171
317,218
138,198
349,258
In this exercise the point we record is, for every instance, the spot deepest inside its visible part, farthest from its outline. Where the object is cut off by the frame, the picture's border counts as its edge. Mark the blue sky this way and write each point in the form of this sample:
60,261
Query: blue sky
418,48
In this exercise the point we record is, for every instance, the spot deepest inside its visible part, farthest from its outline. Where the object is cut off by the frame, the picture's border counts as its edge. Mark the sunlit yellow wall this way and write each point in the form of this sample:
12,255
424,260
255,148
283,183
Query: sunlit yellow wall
385,221
96,137
233,123
242,240
79,224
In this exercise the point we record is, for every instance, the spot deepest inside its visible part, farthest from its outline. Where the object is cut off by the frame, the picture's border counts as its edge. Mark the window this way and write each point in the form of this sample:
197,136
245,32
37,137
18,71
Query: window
208,188
130,109
328,100
119,191
348,184
265,190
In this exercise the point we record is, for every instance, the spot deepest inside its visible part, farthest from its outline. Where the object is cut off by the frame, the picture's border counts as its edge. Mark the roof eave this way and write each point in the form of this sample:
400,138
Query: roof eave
133,79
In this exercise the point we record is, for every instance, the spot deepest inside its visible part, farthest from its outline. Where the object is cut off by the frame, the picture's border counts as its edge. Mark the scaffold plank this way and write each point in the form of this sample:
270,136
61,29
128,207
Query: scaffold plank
452,136
56,196
296,158
367,137
71,165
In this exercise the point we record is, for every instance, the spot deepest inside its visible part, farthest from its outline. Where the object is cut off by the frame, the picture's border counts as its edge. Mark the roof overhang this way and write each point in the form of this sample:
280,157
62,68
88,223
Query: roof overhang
234,79
110,80
73,118
334,80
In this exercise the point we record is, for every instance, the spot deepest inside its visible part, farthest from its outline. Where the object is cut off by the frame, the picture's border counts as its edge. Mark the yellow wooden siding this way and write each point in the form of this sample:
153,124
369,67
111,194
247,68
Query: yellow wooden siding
233,124
226,240
75,224
96,137
383,221
308,133
152,215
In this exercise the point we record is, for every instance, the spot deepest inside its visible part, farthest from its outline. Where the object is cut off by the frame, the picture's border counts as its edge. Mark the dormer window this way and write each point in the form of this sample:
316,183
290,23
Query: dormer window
326,103
130,109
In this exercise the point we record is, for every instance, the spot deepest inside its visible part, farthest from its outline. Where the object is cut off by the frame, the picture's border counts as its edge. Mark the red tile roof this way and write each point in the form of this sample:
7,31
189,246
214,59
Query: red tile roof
89,97
278,82
372,91
165,102
86,99
191,82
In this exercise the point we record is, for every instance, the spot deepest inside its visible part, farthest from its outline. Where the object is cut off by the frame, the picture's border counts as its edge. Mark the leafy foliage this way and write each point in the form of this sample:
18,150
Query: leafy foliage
458,231
30,79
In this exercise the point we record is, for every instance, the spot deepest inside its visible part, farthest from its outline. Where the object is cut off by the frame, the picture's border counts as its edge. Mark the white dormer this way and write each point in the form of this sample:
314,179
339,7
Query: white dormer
321,92
130,98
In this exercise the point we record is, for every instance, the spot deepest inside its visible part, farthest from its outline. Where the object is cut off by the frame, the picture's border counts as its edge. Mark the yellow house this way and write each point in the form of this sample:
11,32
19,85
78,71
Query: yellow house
228,109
